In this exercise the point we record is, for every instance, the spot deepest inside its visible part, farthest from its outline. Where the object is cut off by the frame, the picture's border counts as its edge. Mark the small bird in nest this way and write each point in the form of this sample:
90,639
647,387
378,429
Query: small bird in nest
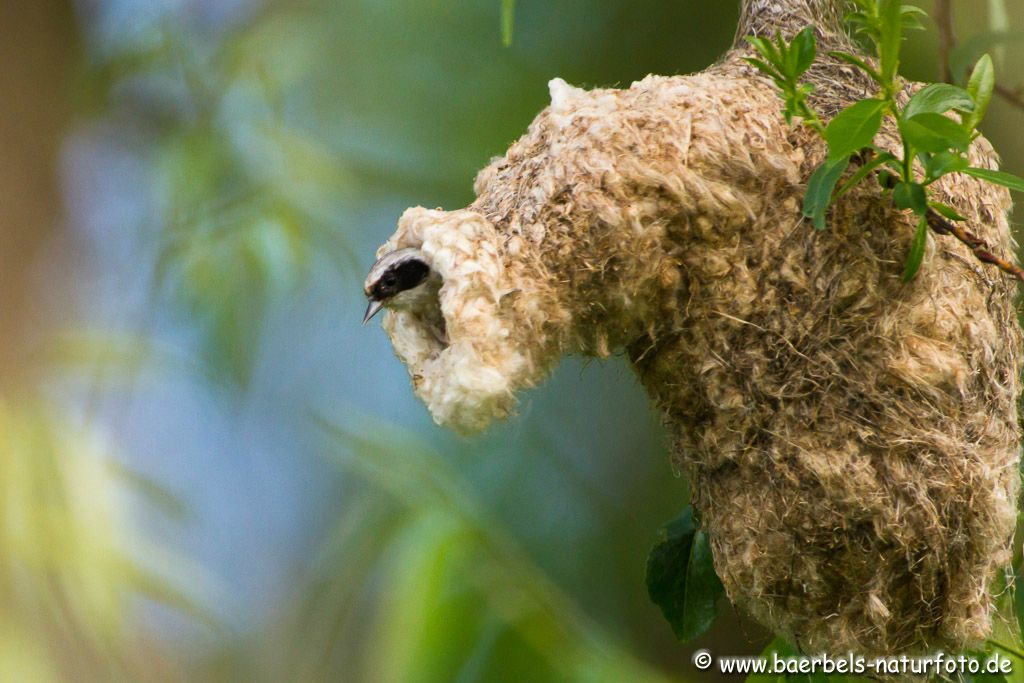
403,280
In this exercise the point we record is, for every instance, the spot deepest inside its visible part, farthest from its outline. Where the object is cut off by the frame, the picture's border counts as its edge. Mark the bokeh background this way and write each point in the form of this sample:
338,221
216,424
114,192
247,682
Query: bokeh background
209,470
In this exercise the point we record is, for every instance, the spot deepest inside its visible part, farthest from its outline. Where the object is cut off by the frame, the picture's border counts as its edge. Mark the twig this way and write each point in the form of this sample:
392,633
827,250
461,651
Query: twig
940,226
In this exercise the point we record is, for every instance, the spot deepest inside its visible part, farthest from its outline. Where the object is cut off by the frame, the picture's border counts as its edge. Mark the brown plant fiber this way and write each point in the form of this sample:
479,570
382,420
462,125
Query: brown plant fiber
852,441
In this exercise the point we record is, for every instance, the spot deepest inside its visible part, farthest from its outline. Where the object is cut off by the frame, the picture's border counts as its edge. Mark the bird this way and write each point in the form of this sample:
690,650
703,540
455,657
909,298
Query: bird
404,280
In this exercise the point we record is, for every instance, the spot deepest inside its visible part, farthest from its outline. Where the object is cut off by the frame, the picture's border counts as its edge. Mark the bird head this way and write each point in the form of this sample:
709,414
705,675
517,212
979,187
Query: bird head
401,279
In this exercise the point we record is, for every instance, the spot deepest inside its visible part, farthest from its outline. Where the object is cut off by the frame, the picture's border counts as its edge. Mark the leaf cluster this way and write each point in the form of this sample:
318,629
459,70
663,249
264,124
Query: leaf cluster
936,126
785,62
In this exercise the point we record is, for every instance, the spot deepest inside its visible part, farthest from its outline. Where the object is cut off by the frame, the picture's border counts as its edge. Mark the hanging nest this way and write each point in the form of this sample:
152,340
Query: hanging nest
851,440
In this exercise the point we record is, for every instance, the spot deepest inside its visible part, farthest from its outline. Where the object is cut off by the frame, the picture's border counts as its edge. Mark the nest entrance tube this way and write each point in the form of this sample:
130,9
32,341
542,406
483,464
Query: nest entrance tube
851,440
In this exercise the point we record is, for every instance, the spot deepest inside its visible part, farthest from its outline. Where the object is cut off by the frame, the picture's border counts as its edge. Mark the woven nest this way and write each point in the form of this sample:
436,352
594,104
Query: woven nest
852,441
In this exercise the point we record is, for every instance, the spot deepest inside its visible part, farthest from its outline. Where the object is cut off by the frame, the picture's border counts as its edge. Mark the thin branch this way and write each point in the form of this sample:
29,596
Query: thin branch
978,246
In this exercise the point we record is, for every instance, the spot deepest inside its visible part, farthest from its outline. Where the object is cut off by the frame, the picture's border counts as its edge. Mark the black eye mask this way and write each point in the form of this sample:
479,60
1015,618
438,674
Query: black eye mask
401,277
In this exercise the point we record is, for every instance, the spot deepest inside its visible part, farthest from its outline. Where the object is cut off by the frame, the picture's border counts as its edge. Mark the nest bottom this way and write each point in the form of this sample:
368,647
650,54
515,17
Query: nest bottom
886,553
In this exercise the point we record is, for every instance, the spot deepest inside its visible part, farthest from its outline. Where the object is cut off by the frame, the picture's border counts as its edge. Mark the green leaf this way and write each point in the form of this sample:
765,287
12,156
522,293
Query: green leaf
767,50
910,15
910,196
859,63
804,49
946,211
765,68
938,165
979,87
930,132
508,17
819,189
938,98
788,58
916,254
681,578
854,128
998,177
863,172
891,29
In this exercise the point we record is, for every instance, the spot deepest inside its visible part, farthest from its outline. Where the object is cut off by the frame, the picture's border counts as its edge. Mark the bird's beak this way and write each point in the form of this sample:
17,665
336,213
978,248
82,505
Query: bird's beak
372,310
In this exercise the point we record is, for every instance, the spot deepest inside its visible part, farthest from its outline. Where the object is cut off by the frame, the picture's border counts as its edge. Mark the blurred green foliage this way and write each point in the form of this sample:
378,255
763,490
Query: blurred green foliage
71,559
459,599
